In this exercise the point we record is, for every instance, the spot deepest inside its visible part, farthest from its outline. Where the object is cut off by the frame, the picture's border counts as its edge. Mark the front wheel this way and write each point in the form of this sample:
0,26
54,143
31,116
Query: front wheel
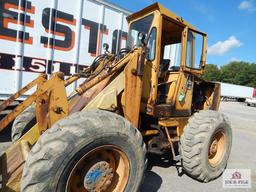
205,145
87,151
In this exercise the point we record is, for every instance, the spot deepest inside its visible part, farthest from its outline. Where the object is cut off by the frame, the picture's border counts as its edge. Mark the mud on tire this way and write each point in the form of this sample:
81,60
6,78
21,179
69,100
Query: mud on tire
57,151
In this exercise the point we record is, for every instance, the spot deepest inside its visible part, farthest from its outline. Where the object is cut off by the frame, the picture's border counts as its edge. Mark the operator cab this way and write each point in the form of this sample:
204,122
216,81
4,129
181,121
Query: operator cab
175,54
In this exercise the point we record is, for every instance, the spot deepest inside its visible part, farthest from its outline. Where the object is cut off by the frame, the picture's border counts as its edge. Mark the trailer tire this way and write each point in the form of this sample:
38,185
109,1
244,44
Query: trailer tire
205,145
23,123
241,100
58,158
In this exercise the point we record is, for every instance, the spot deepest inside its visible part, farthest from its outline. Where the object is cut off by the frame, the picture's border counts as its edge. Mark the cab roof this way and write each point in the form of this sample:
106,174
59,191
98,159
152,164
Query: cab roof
164,12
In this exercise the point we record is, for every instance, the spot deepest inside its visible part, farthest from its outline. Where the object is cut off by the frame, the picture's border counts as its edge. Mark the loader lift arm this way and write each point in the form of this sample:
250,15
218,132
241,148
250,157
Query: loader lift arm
53,104
51,95
41,97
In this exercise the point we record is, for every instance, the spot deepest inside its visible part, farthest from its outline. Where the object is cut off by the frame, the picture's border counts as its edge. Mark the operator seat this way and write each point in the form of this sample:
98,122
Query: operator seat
164,65
162,108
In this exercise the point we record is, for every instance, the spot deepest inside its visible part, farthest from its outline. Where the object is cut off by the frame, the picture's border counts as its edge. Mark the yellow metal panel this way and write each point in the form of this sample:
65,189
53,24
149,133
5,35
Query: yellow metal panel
179,123
58,104
156,63
173,79
133,90
163,11
169,122
107,98
146,82
185,103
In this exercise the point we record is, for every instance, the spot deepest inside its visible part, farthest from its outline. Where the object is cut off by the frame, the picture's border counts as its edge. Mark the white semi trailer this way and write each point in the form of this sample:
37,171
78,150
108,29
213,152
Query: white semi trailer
238,92
54,35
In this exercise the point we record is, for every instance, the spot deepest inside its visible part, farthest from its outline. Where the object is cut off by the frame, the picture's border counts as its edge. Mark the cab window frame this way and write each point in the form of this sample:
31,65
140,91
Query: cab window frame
192,49
152,15
182,42
151,30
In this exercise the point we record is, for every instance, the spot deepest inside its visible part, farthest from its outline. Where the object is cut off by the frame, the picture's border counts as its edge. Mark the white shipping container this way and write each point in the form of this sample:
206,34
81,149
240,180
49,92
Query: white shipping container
236,91
54,35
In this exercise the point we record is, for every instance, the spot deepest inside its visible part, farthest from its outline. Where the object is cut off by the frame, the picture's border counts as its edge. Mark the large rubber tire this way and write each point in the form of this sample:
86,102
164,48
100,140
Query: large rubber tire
59,148
196,141
23,123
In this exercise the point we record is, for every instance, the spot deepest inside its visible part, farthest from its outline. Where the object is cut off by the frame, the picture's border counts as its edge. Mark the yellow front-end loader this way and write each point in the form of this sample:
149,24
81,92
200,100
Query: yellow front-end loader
140,100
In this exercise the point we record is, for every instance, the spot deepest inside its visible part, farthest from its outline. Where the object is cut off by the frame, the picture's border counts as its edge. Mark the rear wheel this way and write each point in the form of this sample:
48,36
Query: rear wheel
87,151
205,145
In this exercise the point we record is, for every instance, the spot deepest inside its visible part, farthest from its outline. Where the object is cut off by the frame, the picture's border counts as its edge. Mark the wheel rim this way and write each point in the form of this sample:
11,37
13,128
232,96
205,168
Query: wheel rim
217,148
105,168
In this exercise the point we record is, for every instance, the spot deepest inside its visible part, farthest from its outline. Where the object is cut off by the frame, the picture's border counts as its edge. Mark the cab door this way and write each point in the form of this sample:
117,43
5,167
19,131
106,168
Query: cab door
192,64
195,52
175,86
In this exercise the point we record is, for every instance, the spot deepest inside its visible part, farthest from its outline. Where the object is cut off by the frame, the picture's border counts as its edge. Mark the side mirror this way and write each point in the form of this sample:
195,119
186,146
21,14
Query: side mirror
106,47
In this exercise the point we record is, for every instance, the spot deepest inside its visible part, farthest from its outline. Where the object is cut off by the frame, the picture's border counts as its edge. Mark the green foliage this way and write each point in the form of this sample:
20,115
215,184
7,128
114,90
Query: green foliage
212,73
240,73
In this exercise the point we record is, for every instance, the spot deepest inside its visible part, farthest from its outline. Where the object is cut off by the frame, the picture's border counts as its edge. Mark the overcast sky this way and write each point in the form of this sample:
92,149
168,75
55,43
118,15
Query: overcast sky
230,25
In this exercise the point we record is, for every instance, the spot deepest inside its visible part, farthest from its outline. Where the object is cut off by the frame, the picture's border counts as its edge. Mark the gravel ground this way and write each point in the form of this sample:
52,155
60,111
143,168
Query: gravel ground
163,176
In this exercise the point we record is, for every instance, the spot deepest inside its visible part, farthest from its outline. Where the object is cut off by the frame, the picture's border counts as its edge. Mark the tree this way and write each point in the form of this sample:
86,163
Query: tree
212,73
240,73
237,72
230,71
251,75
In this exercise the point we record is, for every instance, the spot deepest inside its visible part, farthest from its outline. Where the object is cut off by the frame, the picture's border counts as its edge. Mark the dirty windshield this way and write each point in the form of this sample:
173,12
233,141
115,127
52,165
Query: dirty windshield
142,25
